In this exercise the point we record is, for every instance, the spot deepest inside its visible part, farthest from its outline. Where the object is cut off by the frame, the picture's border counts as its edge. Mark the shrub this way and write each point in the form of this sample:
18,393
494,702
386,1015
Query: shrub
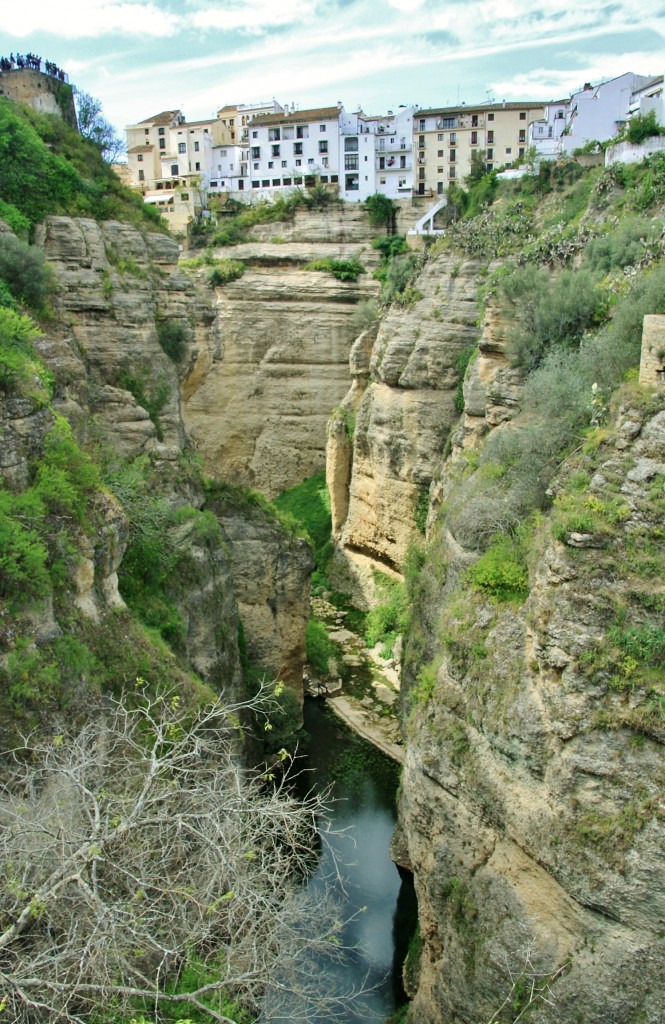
381,210
389,617
502,570
226,270
20,371
390,245
623,246
364,314
172,336
24,269
319,648
643,126
399,274
343,270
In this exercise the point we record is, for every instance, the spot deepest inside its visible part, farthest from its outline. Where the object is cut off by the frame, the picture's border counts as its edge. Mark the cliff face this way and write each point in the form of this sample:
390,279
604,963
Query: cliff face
531,807
390,434
532,811
266,376
116,385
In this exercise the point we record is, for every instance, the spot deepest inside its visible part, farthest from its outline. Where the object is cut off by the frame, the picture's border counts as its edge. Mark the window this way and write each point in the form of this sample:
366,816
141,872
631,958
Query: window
322,127
559,113
231,122
196,147
213,184
490,154
508,149
311,160
141,175
351,145
182,147
275,150
174,168
474,120
265,182
276,181
334,178
440,137
352,183
297,148
255,167
421,140
451,172
522,136
382,181
489,167
283,163
255,184
197,166
351,163
324,161
140,158
287,181
184,196
490,136
490,117
147,130
302,131
205,131
402,161
421,174
439,153
161,131
162,143
270,164
323,145
474,138
382,163
255,135
453,155
223,152
439,170
453,138
256,152
298,163
273,134
439,187
324,179
522,115
448,122
521,151
421,124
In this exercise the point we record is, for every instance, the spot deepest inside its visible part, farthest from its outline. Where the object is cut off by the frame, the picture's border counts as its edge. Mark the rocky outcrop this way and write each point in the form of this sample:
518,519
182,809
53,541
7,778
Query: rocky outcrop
400,411
532,812
263,381
270,571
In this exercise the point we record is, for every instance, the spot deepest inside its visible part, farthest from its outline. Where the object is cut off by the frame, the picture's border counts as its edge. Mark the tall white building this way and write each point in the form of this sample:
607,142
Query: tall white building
376,154
600,111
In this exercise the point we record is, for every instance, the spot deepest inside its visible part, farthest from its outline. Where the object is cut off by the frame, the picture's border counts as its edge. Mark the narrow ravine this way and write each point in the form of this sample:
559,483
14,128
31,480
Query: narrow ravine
363,787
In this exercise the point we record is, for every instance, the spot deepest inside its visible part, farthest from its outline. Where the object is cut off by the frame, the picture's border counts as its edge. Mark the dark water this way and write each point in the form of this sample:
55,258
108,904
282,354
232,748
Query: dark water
364,790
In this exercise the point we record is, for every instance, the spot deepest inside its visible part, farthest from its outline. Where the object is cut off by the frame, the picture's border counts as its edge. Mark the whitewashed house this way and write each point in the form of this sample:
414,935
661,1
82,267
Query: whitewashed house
376,154
293,148
600,111
545,134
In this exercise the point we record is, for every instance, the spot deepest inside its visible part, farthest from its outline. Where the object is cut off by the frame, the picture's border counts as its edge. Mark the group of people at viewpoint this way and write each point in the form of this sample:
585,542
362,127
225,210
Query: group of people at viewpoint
30,60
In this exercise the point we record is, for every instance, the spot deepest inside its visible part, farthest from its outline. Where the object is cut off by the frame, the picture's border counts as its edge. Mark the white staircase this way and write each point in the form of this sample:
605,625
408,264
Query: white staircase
425,226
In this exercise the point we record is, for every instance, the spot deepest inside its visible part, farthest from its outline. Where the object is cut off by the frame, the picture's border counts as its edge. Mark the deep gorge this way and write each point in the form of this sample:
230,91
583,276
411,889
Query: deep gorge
530,807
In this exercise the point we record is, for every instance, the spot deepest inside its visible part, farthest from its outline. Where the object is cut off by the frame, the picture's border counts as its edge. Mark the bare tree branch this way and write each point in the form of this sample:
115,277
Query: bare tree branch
140,848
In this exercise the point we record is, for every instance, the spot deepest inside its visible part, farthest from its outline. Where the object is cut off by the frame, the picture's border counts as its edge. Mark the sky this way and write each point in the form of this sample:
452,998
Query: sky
142,56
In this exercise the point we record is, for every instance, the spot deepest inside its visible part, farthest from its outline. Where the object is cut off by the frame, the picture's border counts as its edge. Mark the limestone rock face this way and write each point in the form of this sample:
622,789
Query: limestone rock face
112,286
270,573
403,403
532,808
264,379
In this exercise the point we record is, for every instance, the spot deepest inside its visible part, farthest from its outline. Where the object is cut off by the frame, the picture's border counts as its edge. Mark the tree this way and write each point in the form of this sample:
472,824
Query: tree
142,868
94,126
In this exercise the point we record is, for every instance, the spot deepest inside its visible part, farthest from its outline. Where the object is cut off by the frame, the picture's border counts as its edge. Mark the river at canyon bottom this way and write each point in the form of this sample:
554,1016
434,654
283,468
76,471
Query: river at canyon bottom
363,808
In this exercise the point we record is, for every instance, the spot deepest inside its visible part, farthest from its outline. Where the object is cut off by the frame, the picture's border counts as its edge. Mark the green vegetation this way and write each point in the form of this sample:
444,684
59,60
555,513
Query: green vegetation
399,269
343,270
25,273
21,374
151,395
308,504
225,271
388,619
642,127
501,571
381,211
46,167
234,220
172,336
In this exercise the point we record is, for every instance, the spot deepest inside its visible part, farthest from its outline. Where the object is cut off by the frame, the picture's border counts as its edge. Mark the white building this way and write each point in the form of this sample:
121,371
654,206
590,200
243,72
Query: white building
649,97
293,148
545,134
601,111
377,154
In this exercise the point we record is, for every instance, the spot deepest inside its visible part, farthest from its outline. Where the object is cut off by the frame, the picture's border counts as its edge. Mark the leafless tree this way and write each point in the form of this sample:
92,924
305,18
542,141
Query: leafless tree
139,848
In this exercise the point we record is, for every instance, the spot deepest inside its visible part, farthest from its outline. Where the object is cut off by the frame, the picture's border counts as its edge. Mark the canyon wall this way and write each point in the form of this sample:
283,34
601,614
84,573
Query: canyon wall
266,376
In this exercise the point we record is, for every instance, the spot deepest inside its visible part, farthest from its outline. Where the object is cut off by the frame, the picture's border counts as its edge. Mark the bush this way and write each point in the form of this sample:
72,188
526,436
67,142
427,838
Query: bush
319,648
643,126
389,617
20,371
502,570
24,269
343,270
622,247
226,270
364,314
381,210
172,336
399,274
552,311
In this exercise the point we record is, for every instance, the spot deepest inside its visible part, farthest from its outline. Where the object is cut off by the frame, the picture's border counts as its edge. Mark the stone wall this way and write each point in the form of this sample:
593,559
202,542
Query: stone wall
43,92
652,362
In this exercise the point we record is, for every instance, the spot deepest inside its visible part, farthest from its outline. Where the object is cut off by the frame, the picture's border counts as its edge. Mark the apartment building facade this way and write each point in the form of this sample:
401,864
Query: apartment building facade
376,154
446,138
293,148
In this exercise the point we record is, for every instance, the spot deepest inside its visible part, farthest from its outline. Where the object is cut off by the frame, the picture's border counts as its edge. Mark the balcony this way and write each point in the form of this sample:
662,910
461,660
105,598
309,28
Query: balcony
392,163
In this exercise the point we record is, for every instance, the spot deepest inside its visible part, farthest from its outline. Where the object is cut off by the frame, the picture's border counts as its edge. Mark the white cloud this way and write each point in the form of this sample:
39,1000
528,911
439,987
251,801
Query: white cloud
76,19
253,15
